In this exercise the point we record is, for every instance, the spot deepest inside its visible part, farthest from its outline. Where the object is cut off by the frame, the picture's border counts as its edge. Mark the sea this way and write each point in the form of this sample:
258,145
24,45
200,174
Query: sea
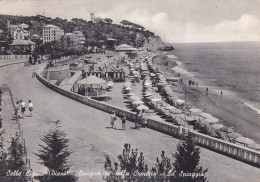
232,67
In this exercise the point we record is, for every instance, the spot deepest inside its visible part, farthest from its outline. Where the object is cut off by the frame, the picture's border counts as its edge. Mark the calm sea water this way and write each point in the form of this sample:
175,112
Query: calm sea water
231,66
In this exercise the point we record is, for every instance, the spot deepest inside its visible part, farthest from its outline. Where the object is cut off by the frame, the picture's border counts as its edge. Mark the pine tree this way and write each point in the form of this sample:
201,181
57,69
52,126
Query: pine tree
163,170
129,163
186,162
13,161
54,155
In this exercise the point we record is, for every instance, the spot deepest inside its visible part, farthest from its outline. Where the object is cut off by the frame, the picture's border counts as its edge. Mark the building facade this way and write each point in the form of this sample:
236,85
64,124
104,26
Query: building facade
95,19
21,34
51,33
18,32
74,40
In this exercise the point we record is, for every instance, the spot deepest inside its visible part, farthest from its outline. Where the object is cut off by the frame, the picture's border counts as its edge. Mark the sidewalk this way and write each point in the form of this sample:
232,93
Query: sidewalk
10,125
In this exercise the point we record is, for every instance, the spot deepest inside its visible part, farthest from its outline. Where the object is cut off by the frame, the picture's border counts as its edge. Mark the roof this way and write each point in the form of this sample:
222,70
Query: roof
35,35
125,47
50,26
22,42
92,80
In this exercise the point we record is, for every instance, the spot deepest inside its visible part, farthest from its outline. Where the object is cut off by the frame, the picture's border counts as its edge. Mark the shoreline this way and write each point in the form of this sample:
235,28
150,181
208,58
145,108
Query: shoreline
231,111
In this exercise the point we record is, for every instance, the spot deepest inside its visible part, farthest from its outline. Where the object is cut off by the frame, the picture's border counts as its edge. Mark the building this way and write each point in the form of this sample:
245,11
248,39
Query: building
95,19
21,34
51,33
74,40
22,46
19,31
125,49
35,36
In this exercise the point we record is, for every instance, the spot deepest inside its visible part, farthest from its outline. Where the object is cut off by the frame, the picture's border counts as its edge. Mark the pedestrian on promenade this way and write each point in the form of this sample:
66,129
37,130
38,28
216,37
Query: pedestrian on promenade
113,119
221,93
33,73
207,90
123,122
23,107
30,107
16,109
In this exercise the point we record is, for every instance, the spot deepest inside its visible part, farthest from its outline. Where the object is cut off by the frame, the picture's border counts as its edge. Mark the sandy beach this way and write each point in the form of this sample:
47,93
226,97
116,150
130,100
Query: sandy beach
227,108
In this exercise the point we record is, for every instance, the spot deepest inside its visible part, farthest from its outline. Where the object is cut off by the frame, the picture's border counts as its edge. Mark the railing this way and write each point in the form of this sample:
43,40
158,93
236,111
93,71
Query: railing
235,151
14,56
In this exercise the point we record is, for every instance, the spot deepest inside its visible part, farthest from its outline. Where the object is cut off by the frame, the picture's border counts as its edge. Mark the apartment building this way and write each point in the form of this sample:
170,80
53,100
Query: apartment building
51,33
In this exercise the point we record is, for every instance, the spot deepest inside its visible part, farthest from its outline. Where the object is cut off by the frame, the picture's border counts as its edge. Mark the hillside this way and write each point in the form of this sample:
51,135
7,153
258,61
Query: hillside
95,33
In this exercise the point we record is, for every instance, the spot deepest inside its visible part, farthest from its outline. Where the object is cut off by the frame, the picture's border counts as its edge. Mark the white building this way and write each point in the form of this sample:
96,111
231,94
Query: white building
74,40
95,19
22,34
51,33
18,32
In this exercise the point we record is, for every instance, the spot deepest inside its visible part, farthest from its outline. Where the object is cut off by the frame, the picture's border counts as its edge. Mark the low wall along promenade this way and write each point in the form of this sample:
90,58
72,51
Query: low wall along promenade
232,150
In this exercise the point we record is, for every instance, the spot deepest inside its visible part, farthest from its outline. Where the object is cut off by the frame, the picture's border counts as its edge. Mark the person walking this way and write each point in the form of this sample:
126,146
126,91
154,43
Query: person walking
113,118
23,107
30,107
16,109
123,122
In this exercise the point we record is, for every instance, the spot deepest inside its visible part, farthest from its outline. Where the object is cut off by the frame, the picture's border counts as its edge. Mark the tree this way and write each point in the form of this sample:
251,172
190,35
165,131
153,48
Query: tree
129,165
186,162
163,169
3,166
108,20
14,161
54,155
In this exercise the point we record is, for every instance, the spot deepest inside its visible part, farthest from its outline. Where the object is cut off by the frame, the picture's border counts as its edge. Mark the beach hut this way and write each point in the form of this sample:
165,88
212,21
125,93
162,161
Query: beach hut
92,86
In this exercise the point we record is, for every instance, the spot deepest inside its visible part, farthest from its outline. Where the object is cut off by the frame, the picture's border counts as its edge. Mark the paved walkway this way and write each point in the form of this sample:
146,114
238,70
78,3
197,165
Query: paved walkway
91,137
11,127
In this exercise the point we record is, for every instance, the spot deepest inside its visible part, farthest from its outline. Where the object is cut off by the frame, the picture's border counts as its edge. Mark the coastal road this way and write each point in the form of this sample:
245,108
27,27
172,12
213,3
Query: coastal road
91,139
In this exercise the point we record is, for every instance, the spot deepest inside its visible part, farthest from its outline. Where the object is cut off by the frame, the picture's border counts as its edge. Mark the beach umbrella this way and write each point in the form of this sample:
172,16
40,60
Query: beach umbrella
156,100
138,102
217,126
110,84
195,110
128,88
134,98
234,135
152,75
174,110
130,94
147,83
142,107
179,101
254,146
244,140
211,120
148,94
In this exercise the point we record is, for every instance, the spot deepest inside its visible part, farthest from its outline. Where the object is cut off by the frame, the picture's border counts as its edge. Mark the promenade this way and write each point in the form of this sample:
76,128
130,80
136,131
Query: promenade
91,139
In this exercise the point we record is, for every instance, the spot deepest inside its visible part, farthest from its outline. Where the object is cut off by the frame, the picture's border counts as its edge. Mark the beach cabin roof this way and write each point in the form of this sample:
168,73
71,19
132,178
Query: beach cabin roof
92,80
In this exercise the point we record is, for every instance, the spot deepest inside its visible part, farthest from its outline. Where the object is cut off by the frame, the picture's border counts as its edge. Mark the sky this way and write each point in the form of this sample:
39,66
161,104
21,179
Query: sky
173,20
